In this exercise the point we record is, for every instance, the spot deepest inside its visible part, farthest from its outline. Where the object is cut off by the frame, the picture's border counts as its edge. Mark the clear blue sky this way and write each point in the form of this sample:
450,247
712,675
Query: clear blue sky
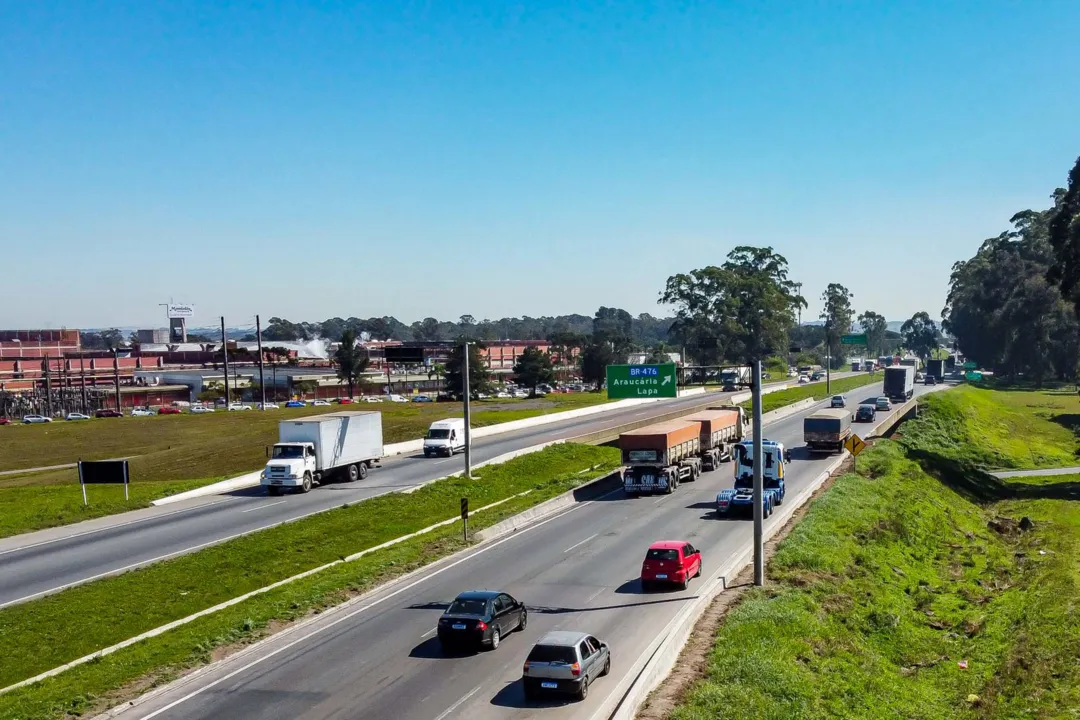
439,158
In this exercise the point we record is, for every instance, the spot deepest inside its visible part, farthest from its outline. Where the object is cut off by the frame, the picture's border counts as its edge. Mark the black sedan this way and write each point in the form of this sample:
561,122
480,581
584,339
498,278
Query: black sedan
481,618
865,413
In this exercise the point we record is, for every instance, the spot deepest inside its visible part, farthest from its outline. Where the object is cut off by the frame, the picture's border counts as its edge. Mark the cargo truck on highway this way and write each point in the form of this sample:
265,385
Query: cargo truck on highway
899,382
312,449
740,499
735,375
826,430
722,427
936,368
660,456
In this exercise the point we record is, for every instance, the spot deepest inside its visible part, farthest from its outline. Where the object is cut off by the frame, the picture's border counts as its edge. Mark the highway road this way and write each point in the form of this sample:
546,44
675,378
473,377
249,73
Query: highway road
68,556
378,658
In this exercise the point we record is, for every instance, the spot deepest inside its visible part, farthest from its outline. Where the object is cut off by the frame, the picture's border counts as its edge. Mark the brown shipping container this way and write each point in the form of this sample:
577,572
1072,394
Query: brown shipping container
660,436
713,421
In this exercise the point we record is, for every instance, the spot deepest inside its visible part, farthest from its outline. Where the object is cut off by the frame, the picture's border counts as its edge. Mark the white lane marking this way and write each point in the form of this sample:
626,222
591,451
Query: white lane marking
263,507
348,616
446,713
580,543
118,525
440,462
430,632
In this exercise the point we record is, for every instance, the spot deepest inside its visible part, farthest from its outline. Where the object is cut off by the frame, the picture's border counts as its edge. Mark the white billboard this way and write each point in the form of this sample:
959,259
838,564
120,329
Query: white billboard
181,311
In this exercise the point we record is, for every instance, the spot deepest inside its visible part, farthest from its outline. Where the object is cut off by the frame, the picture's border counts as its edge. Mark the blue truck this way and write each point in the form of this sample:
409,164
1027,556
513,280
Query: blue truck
740,499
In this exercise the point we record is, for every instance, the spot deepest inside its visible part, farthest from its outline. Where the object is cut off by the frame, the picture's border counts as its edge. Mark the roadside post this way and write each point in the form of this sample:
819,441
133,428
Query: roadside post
759,493
465,519
468,425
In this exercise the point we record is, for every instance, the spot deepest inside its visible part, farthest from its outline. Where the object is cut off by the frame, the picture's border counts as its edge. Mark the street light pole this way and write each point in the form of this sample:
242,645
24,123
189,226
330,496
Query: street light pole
467,393
759,484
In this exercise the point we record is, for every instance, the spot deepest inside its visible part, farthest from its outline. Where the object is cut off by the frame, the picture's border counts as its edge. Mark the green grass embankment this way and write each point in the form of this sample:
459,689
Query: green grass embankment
912,589
174,453
46,633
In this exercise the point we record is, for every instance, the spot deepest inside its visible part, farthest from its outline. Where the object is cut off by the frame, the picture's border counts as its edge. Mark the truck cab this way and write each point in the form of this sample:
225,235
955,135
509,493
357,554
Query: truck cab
291,465
741,497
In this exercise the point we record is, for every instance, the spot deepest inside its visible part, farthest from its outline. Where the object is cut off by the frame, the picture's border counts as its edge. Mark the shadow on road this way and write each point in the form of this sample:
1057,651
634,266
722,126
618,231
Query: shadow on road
432,649
433,605
513,696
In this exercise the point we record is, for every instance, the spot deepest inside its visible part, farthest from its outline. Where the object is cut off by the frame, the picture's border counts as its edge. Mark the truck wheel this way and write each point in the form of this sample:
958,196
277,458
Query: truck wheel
306,487
352,473
362,469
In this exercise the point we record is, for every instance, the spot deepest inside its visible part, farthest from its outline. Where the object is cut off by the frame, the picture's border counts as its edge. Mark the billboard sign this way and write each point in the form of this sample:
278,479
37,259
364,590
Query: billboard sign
180,311
859,339
642,381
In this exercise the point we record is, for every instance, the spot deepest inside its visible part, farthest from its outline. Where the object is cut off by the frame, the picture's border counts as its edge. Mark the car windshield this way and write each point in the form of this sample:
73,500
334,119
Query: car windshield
838,398
467,607
657,554
288,452
438,434
552,654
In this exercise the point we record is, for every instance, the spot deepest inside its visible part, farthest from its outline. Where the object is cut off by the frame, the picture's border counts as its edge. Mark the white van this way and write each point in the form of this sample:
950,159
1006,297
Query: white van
445,437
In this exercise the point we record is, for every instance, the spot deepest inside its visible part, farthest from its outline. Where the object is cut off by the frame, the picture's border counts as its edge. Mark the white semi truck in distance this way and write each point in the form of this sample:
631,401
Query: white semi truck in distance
312,449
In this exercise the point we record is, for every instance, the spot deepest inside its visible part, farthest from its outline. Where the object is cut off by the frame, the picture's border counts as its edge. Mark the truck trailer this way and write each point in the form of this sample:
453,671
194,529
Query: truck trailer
312,449
826,430
721,428
660,456
900,383
936,368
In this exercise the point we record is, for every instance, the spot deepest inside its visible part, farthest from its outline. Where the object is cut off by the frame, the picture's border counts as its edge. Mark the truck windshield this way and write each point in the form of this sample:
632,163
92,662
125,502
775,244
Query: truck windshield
438,434
288,452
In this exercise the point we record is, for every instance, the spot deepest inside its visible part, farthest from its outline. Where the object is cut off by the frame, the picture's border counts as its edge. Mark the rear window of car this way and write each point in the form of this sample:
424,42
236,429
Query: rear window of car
552,654
655,554
468,607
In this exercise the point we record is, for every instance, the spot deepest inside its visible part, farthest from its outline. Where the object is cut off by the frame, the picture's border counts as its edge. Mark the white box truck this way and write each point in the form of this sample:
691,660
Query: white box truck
445,437
312,449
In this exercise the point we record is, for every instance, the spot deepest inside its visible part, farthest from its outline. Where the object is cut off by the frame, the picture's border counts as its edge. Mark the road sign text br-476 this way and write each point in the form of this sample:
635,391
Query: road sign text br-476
642,381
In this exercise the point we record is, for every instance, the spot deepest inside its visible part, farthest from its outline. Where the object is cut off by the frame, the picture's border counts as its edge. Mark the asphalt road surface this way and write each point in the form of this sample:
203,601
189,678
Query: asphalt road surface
575,571
37,568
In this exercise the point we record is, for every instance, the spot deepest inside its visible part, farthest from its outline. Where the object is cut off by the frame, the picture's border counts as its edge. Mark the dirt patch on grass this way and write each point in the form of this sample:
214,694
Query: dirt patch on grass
693,662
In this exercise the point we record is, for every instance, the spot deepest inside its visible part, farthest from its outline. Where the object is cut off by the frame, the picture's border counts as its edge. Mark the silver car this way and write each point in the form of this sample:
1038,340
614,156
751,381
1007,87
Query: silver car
565,662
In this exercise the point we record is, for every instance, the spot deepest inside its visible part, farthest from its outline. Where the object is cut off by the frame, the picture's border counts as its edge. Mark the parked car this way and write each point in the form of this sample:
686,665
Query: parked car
373,399
394,397
143,412
108,414
300,403
169,410
76,416
564,662
838,401
422,399
670,562
480,618
238,406
321,403
268,406
200,409
35,419
882,403
865,413
5,421
345,401
503,395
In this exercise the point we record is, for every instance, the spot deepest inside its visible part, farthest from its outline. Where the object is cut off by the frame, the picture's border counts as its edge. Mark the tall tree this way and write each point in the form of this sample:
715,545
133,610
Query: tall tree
875,327
920,335
479,377
1064,237
532,368
351,360
659,354
595,358
614,326
739,312
837,314
426,329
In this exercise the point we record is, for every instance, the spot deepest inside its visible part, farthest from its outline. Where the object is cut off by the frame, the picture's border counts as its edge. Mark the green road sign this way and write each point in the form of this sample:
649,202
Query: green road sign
853,339
969,365
642,381
973,376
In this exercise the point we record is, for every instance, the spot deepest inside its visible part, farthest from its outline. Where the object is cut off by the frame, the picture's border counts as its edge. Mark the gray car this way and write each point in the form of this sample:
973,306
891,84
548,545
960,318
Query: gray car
566,663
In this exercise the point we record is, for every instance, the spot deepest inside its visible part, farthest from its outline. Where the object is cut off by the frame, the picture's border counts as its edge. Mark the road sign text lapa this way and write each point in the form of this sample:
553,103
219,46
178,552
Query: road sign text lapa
642,381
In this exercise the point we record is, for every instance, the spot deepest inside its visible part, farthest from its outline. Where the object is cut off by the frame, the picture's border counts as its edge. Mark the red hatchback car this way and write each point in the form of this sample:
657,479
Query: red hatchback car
168,410
670,561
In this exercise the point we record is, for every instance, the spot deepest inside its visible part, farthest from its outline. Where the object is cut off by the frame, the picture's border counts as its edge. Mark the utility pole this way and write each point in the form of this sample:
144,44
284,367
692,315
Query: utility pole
48,385
262,378
828,358
116,376
759,493
468,429
225,355
82,377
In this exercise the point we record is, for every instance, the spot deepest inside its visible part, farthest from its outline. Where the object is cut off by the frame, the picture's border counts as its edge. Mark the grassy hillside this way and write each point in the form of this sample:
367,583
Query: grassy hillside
916,588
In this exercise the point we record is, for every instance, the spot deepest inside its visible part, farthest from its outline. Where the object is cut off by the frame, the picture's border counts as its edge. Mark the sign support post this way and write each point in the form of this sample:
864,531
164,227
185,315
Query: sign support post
465,519
759,492
85,502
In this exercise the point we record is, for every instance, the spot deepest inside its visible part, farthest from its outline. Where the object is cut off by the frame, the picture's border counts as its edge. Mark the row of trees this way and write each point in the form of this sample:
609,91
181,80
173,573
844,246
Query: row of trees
1012,307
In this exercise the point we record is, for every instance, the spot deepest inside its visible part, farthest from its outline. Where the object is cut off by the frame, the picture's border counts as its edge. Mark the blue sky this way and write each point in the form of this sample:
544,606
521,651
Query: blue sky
309,160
